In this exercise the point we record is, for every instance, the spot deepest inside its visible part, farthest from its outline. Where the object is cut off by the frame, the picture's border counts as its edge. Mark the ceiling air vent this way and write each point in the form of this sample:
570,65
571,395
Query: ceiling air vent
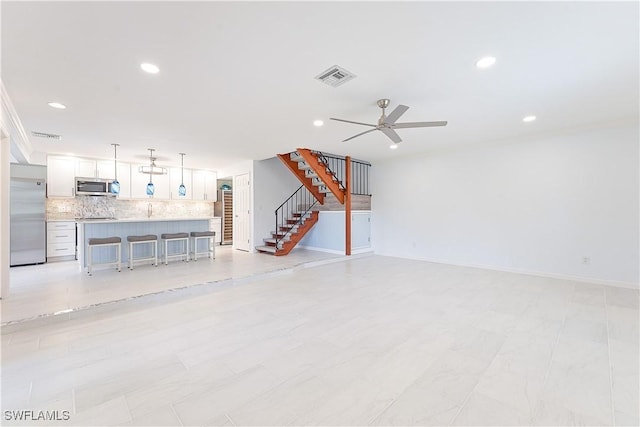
46,135
335,76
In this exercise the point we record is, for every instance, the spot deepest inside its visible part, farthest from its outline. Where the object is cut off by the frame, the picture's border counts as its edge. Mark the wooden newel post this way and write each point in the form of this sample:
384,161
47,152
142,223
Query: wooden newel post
347,207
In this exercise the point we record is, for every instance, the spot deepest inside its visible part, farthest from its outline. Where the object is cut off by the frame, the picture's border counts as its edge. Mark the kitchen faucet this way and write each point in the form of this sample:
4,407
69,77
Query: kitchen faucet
149,210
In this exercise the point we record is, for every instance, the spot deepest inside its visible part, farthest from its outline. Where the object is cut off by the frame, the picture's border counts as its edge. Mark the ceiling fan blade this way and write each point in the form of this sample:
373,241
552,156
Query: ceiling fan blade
417,125
391,134
395,114
355,123
361,133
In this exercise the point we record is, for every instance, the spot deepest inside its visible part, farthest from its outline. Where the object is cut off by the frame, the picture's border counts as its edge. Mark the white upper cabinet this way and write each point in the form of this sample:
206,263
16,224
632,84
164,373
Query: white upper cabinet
61,176
204,186
86,168
62,171
90,168
139,183
106,169
175,178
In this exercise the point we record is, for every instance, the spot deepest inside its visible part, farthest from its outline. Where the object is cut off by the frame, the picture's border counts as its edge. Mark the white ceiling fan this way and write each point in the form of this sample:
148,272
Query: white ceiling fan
387,124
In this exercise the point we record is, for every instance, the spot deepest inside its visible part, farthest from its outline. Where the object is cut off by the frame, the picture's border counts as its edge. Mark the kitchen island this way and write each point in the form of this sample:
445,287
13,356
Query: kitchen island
89,228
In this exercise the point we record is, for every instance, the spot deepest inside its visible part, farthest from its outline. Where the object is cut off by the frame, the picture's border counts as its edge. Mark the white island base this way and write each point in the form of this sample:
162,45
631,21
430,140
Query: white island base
122,228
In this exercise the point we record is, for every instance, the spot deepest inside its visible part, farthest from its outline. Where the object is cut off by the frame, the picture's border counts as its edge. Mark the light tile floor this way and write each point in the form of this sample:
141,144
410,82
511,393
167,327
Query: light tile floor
49,288
367,341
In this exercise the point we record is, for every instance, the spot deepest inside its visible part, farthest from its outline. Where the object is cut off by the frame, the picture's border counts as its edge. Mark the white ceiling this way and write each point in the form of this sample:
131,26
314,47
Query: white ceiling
237,78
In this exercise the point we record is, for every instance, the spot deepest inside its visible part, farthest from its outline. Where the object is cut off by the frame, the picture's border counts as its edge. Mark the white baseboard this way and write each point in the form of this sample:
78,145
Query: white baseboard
329,251
361,251
584,279
333,251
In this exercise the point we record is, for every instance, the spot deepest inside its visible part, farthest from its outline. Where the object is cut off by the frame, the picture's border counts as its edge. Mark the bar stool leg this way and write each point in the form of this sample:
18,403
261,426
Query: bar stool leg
195,248
89,261
119,249
130,255
155,253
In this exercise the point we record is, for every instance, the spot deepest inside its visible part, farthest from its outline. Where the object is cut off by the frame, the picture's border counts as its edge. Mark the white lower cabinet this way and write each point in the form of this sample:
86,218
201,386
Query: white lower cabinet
61,240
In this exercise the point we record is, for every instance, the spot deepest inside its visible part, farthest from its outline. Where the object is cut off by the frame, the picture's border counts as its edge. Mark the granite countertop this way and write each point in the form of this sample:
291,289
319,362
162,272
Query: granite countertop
101,221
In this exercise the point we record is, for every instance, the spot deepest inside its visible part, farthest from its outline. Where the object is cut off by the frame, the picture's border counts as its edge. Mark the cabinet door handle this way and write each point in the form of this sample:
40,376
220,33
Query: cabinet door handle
62,236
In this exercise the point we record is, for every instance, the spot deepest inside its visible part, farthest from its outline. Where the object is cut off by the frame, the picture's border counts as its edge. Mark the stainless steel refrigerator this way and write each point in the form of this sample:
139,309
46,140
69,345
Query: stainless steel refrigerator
28,235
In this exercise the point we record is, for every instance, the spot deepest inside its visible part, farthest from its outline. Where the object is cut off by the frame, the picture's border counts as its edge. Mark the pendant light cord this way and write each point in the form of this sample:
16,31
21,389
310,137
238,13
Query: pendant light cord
151,150
182,168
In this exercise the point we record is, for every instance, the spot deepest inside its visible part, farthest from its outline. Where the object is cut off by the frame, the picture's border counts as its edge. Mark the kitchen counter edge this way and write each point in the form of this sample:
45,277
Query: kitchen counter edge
107,221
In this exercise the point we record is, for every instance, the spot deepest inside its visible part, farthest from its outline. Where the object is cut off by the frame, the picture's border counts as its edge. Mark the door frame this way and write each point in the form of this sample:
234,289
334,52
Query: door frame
237,244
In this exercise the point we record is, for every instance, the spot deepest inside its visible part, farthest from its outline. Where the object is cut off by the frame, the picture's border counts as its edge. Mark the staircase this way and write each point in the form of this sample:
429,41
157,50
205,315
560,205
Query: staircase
311,168
289,234
296,215
294,218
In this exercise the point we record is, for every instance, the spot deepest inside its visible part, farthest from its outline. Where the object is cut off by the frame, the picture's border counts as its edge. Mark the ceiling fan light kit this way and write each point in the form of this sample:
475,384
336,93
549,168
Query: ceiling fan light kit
152,169
387,124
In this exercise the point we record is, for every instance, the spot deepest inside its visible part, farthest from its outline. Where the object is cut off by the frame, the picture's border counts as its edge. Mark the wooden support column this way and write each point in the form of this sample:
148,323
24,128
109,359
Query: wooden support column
347,207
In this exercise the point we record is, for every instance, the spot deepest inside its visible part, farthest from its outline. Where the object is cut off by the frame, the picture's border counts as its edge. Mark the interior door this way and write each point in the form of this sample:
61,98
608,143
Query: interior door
242,214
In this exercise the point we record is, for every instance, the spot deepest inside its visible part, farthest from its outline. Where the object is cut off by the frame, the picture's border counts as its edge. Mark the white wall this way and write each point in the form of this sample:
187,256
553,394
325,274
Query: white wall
535,206
273,184
328,234
4,213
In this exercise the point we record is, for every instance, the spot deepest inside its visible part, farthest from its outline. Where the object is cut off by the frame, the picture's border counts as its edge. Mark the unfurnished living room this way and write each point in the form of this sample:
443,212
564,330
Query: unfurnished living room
255,213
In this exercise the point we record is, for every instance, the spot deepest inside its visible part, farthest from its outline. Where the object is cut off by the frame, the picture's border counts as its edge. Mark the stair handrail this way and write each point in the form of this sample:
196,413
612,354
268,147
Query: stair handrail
359,172
290,206
325,159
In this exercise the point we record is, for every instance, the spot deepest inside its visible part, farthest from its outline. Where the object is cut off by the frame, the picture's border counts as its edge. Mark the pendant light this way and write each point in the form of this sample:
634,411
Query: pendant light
115,185
182,190
150,186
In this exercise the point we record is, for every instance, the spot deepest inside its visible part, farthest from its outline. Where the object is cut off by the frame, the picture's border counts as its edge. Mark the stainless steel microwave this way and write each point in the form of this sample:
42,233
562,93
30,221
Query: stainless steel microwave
93,187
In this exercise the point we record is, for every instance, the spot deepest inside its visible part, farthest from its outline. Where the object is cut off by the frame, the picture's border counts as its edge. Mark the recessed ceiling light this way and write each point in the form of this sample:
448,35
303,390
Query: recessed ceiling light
486,62
393,146
529,119
150,68
318,122
57,105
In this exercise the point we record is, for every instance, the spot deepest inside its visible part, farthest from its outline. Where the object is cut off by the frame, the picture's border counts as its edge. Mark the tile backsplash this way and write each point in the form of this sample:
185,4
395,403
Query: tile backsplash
109,207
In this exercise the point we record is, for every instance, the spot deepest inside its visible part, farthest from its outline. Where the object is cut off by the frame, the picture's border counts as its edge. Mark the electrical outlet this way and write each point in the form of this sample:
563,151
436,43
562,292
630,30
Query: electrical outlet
586,260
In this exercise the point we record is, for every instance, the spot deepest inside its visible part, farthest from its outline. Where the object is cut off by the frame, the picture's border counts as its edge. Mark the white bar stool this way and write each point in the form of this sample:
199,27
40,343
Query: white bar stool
176,237
209,236
95,242
145,239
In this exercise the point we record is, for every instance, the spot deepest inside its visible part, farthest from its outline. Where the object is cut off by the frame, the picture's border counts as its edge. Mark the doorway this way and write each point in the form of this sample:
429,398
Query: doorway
242,214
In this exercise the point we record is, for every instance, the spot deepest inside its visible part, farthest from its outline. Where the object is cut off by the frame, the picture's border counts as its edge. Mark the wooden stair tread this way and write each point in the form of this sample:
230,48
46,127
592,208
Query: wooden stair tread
293,238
